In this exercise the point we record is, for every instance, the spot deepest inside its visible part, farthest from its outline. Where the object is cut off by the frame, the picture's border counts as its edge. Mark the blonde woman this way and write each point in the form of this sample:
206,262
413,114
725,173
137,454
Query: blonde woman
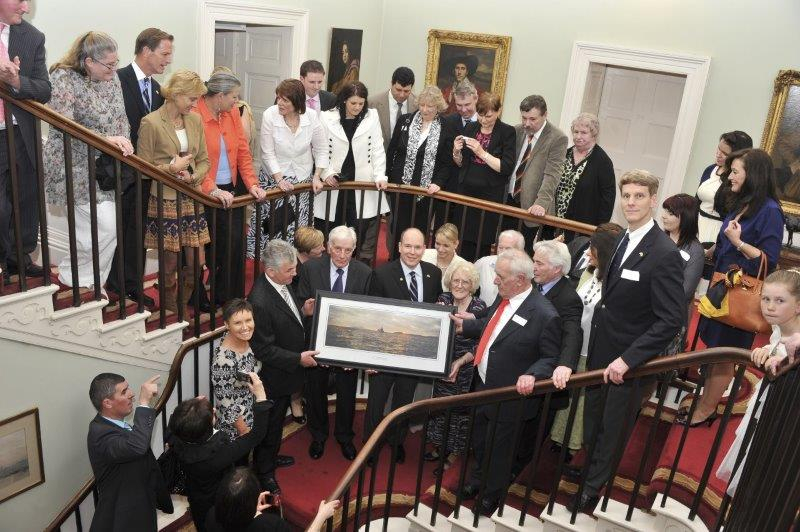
444,256
173,139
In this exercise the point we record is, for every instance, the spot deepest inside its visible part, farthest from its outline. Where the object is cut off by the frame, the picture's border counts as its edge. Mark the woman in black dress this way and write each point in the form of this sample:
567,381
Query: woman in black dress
486,155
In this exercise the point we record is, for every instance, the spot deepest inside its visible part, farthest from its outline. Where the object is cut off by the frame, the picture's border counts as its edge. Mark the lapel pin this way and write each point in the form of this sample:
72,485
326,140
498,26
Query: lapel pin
428,276
641,253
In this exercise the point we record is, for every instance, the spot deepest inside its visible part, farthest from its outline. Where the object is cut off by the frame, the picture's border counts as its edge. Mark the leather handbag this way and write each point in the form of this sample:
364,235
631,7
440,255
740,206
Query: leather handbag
742,298
106,174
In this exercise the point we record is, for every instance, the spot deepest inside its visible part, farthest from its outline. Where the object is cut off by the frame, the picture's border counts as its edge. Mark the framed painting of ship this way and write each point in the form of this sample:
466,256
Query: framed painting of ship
383,334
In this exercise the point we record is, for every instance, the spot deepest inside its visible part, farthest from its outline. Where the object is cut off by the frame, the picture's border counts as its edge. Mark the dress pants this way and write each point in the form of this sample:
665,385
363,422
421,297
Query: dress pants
28,196
265,454
229,251
316,393
380,384
346,214
131,245
610,432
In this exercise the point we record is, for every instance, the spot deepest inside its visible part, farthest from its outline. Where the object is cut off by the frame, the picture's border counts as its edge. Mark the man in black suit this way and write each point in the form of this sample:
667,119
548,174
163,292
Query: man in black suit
406,278
520,341
129,482
640,312
312,76
335,272
279,343
142,95
23,72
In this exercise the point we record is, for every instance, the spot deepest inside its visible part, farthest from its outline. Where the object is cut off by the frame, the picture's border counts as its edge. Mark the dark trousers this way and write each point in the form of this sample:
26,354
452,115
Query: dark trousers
27,194
527,440
611,433
346,214
228,269
132,244
265,455
380,384
509,222
316,393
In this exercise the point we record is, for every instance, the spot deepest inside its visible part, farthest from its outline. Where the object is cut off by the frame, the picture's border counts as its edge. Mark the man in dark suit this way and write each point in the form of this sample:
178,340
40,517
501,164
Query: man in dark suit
142,95
406,278
279,343
520,341
540,153
312,76
335,272
640,312
23,72
129,482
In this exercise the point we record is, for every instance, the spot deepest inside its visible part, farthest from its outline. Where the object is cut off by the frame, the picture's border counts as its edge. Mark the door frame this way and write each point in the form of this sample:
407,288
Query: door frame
249,12
694,68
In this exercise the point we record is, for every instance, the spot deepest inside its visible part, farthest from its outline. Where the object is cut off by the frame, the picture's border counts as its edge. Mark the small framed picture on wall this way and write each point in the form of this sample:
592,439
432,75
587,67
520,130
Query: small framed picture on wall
344,63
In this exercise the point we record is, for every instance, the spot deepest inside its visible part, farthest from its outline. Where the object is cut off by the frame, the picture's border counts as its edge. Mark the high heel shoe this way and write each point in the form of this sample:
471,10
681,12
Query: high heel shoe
707,421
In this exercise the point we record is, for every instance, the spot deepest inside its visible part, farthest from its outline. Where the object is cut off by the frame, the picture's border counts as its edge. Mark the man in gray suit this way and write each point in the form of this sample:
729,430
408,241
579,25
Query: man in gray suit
395,102
540,152
23,72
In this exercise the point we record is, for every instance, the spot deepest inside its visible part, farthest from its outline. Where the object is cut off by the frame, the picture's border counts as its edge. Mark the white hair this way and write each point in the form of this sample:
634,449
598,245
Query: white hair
518,262
342,231
557,253
277,253
519,240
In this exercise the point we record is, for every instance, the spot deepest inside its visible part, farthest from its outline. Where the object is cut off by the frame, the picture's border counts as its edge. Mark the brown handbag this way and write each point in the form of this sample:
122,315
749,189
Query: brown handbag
744,299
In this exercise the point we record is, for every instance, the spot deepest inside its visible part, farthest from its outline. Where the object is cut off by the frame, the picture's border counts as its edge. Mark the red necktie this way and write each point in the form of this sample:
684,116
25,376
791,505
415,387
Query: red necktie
487,333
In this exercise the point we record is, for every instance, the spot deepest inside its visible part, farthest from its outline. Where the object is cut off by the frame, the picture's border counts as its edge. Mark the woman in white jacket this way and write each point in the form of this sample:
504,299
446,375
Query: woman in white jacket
355,151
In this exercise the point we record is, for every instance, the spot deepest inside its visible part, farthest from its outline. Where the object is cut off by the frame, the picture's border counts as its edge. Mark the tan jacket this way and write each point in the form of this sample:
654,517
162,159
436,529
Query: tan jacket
381,104
543,172
158,144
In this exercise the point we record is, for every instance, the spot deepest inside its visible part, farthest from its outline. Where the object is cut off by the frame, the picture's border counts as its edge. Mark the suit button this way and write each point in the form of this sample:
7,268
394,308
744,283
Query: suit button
602,306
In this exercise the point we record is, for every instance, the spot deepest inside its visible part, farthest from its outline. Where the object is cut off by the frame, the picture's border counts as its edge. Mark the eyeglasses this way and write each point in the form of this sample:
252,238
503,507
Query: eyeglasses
460,282
112,66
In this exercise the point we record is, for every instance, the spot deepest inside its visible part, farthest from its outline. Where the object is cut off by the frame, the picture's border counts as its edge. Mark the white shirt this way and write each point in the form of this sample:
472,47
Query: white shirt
406,274
508,312
335,275
513,180
292,154
635,237
393,111
318,102
280,288
485,266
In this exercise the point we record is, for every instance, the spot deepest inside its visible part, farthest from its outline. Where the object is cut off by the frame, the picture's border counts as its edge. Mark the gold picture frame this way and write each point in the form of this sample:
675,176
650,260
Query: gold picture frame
21,466
482,57
781,138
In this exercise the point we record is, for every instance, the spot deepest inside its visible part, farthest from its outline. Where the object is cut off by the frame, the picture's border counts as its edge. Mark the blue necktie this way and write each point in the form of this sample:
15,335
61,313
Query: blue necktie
338,285
146,94
413,290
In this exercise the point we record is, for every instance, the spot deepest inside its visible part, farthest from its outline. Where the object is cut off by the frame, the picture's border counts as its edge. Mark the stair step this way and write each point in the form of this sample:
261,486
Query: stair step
559,521
613,518
422,521
674,517
395,524
509,522
465,519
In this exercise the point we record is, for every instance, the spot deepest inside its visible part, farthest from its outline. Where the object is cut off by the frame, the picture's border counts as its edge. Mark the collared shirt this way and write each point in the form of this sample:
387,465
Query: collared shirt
418,272
318,102
635,237
288,153
121,422
471,119
513,180
335,275
547,286
393,110
140,75
280,288
513,305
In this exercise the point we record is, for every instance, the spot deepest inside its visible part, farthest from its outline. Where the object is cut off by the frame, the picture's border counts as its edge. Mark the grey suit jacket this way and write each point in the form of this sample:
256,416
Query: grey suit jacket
380,103
544,168
27,43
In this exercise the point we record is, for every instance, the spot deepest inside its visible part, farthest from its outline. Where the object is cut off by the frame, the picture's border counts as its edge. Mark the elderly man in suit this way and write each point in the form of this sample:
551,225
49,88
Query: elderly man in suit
520,341
279,343
129,482
23,72
508,239
334,272
406,278
540,152
395,102
142,95
641,309
312,76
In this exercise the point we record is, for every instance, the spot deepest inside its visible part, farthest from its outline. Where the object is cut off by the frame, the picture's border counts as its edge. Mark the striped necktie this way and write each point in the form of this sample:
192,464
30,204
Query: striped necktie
413,289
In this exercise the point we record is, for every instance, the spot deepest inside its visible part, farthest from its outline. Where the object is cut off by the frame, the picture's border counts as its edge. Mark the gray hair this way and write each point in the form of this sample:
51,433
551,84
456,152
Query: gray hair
589,120
534,101
277,253
222,82
557,254
92,44
472,274
519,240
433,95
519,263
342,231
464,89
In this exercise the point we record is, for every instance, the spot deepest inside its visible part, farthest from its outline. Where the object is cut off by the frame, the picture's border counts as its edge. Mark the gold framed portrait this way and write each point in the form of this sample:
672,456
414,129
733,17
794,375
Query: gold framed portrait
456,56
781,138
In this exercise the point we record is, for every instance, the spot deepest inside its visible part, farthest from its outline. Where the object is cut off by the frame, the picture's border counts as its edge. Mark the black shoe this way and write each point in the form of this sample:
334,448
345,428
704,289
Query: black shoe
204,305
707,421
284,461
147,301
572,472
316,449
431,456
487,507
31,270
400,455
469,491
270,485
348,450
585,504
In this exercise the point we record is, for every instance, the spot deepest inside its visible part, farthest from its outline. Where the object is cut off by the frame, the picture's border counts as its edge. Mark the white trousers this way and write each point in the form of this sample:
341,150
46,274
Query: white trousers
106,245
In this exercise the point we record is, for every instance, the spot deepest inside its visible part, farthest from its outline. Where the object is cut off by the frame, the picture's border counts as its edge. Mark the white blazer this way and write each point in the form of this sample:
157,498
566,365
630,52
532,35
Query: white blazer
369,157
292,154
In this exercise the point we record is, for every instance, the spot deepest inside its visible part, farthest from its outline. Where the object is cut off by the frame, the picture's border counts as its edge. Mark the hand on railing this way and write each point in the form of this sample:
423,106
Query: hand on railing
615,371
258,193
325,512
149,390
180,163
536,210
792,344
224,197
123,144
382,184
561,376
307,359
433,189
9,72
525,384
284,184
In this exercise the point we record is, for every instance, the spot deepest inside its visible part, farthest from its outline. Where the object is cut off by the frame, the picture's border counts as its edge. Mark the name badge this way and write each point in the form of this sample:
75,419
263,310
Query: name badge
685,255
519,319
631,275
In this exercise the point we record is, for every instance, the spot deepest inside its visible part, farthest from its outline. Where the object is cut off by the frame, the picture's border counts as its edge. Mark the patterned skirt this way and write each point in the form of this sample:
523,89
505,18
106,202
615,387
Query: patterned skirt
300,204
186,231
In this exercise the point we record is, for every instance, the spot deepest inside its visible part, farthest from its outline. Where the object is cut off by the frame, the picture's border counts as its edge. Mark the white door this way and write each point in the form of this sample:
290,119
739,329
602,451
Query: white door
225,44
638,113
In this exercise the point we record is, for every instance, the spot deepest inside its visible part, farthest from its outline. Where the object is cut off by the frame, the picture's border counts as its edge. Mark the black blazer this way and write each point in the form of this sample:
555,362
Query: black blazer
398,148
637,319
456,126
316,275
503,145
595,192
134,103
389,281
569,306
327,100
27,43
129,483
529,349
278,339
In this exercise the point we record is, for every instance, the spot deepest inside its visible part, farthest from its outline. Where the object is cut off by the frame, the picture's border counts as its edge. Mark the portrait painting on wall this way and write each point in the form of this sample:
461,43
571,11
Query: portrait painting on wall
455,57
21,465
344,62
781,138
